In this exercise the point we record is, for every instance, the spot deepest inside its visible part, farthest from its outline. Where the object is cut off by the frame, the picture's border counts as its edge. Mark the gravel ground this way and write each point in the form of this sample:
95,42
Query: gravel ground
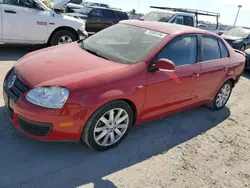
195,148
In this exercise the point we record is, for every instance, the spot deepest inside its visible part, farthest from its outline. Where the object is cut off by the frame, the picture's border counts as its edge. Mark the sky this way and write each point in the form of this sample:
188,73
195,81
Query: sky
227,8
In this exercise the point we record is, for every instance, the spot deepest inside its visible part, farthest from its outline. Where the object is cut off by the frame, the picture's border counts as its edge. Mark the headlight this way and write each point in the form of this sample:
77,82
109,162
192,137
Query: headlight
238,41
48,97
83,27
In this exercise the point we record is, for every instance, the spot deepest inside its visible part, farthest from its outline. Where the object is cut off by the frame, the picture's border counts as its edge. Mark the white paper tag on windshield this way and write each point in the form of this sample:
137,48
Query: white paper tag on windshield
156,33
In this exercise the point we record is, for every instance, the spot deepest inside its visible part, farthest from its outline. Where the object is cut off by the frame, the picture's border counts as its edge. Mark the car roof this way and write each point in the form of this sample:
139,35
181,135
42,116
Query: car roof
167,28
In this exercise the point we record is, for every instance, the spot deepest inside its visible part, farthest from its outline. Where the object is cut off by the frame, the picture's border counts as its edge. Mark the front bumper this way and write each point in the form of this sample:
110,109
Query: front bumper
82,34
65,124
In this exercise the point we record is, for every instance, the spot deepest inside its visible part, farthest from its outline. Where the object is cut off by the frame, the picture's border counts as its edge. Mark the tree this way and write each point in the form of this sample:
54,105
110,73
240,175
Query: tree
132,12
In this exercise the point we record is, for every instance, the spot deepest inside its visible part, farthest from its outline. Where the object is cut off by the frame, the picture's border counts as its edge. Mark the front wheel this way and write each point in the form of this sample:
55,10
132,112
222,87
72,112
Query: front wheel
62,37
108,126
222,96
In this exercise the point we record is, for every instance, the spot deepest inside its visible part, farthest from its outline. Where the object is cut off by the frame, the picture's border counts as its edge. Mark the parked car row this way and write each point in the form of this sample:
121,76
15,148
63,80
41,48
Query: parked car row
72,7
98,18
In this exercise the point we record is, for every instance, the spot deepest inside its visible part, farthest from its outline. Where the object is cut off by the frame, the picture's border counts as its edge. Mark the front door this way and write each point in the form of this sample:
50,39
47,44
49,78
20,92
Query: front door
171,91
23,22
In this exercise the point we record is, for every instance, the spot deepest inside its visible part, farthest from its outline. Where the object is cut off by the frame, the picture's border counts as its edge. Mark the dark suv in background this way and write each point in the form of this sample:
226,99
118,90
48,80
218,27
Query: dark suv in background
99,18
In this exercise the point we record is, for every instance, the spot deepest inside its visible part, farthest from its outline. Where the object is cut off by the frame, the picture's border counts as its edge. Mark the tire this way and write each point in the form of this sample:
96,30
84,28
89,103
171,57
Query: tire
95,131
215,105
60,35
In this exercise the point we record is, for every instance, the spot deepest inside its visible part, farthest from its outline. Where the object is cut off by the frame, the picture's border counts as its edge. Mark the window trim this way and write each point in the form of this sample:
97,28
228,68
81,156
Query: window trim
201,41
152,62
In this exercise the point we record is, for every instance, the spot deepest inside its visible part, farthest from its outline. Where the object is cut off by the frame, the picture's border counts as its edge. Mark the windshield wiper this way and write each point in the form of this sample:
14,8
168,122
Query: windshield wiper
96,53
81,44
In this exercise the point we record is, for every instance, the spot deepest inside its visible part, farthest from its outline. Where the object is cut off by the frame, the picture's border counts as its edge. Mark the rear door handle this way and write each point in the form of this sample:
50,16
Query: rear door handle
10,11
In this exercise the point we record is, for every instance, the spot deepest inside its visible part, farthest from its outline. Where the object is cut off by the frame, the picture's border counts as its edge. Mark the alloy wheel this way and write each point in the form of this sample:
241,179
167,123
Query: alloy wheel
111,127
223,95
64,40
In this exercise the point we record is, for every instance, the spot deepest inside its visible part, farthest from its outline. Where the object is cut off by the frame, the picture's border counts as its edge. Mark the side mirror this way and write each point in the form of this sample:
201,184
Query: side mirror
165,65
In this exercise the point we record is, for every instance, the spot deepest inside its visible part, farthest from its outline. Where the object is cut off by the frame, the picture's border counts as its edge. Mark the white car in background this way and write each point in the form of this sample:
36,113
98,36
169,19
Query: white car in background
72,7
32,22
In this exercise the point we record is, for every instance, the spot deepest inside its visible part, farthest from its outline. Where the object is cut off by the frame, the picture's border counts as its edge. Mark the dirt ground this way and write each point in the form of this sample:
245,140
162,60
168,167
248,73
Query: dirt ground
197,148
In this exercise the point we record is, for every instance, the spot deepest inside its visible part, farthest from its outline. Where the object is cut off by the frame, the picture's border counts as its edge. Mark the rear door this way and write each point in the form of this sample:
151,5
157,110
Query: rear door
94,21
214,66
110,18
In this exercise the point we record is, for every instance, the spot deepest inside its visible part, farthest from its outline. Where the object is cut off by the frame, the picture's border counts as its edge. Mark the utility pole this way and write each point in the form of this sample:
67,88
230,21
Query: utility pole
138,6
239,6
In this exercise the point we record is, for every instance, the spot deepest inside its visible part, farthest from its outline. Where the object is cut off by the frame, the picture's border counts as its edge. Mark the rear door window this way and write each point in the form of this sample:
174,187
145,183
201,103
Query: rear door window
223,49
189,21
210,48
122,15
96,13
178,20
109,14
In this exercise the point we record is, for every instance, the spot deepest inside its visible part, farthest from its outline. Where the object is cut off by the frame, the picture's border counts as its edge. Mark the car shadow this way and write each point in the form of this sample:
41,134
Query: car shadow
11,52
47,164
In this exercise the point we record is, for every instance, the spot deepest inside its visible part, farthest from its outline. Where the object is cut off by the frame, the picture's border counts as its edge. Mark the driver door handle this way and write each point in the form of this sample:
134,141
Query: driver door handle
10,11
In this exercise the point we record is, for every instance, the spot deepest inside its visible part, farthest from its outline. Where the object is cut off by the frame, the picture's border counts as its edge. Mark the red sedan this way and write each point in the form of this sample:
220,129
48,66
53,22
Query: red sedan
132,72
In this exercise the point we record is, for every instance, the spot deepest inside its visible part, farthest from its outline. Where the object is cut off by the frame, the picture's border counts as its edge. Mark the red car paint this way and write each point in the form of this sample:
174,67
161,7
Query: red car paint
93,81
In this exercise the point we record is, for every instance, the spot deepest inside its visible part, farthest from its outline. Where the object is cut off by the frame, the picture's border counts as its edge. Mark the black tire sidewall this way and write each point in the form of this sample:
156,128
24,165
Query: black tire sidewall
214,102
88,131
55,38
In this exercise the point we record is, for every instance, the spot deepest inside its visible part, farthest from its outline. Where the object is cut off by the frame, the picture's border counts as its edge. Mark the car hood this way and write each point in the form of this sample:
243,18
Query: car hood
62,66
229,37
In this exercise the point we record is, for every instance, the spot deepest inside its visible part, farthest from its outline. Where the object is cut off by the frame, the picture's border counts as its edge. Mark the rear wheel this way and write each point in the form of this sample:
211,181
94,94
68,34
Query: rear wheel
62,37
108,126
222,96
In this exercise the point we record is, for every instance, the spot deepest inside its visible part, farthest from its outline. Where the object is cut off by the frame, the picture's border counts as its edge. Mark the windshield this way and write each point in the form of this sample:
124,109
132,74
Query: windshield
123,43
84,10
157,16
237,32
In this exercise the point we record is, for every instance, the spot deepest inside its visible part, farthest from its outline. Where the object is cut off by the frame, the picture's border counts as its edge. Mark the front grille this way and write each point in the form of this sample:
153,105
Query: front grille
34,128
17,90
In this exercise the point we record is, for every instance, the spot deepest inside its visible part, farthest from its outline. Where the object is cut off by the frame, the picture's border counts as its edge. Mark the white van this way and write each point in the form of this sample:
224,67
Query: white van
32,22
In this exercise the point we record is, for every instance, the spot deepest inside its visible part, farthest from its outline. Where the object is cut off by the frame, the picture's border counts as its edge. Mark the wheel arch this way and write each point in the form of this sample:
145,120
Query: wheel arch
67,28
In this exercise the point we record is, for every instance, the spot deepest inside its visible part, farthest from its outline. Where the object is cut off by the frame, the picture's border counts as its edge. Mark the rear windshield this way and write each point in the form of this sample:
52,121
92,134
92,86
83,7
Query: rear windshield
122,15
157,16
123,43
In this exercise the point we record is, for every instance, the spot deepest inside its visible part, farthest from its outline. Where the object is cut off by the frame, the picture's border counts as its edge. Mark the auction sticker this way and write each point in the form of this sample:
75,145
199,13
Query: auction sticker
156,33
